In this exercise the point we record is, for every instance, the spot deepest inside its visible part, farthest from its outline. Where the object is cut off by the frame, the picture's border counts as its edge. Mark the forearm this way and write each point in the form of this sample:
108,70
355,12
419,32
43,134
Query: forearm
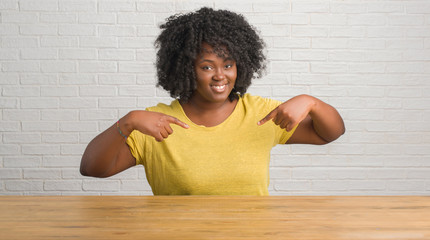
102,152
326,120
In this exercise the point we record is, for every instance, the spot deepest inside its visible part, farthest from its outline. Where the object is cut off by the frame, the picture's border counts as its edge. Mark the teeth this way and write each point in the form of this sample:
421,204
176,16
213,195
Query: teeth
219,88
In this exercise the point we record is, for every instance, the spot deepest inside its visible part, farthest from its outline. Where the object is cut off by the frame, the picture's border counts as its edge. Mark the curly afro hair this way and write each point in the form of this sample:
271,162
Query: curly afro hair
180,42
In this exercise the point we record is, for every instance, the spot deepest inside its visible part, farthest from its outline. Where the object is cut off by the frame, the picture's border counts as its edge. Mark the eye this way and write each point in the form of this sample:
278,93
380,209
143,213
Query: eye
206,67
229,66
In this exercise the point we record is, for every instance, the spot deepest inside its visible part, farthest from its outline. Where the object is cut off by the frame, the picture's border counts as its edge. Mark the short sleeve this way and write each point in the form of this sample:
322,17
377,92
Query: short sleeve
282,135
136,142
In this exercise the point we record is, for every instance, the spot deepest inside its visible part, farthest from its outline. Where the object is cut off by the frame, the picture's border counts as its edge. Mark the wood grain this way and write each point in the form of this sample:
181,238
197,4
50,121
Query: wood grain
214,217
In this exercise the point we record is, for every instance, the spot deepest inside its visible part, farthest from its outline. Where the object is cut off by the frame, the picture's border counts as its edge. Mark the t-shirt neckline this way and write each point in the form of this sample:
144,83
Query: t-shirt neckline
191,123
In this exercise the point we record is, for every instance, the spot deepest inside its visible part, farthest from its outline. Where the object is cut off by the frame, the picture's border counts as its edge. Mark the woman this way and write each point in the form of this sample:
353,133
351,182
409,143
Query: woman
214,138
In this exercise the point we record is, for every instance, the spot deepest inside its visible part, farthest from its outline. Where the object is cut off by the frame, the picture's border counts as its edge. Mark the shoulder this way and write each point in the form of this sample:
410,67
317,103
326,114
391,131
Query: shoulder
165,108
258,101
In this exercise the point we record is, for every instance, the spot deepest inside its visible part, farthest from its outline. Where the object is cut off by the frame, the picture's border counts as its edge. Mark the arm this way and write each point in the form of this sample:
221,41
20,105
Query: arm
320,123
108,154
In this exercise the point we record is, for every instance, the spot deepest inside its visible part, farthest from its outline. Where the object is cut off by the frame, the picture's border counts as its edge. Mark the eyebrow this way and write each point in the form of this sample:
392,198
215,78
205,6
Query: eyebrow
208,60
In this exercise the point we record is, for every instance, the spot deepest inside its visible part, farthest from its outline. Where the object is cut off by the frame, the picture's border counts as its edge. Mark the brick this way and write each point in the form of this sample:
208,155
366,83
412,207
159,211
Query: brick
19,42
135,185
59,138
116,54
21,66
417,7
347,7
309,55
59,115
9,29
76,30
351,32
98,42
367,185
328,68
140,91
59,91
281,42
329,43
38,29
72,149
8,103
44,5
135,18
38,79
21,91
77,54
385,7
117,6
122,31
296,19
310,7
10,173
23,185
44,126
101,185
9,5
78,126
21,138
406,185
39,103
9,54
39,149
136,42
97,91
38,54
58,66
21,161
292,185
101,18
78,103
289,67
19,17
57,18
78,6
274,30
61,161
146,55
42,173
328,19
104,114
309,31
118,102
77,78
97,66
58,41
62,185
136,67
120,79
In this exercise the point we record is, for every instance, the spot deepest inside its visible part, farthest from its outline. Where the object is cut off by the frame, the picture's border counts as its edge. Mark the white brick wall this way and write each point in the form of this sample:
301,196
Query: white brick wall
71,68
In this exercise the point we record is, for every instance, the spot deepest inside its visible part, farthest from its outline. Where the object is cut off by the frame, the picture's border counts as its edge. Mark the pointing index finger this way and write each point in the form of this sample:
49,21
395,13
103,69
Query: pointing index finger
269,116
178,122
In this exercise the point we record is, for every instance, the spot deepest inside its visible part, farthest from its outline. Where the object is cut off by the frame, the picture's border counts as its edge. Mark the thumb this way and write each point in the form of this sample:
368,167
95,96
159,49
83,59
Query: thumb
268,117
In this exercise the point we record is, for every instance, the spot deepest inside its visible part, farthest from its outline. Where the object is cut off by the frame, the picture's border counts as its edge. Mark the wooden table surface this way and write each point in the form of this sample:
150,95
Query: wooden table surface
214,217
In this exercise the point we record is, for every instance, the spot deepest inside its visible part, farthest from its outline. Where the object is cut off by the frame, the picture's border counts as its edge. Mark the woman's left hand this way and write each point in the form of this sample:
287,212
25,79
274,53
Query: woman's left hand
290,113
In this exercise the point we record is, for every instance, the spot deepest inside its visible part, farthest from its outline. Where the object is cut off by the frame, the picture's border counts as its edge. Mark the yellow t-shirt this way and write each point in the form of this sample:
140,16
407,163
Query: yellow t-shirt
231,158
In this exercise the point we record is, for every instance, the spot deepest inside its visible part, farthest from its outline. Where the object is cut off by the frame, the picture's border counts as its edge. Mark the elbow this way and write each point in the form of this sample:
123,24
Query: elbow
334,136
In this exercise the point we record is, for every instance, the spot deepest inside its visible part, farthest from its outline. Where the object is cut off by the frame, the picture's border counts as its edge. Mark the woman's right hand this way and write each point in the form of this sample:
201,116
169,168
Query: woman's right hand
154,124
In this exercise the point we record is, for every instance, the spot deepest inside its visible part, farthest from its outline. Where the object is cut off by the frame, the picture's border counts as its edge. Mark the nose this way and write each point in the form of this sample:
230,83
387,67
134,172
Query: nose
219,75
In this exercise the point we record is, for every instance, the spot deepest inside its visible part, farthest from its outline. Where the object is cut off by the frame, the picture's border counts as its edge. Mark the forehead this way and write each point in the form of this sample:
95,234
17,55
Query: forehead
207,50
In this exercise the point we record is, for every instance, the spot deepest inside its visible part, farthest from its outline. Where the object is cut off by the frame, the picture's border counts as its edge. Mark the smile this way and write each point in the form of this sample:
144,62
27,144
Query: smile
219,88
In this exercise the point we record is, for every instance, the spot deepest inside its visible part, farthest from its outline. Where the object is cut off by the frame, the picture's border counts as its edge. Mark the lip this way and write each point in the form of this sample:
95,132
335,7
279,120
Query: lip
219,88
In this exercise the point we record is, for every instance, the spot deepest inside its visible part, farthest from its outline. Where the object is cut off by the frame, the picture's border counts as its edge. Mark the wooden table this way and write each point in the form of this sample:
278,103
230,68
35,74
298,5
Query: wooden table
219,217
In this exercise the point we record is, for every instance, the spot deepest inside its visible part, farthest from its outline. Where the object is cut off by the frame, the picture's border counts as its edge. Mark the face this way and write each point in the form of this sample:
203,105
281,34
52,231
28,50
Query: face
215,76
